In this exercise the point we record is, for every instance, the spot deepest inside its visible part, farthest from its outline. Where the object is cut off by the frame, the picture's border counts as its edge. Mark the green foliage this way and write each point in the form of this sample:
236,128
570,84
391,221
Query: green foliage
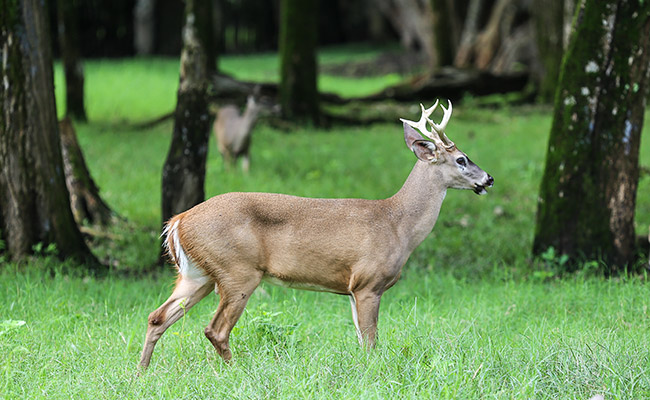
42,250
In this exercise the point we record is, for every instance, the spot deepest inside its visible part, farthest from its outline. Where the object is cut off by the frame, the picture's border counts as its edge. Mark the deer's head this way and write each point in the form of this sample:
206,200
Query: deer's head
456,169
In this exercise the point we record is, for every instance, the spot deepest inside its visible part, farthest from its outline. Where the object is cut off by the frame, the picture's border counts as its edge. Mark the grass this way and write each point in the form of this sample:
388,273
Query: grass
440,337
470,318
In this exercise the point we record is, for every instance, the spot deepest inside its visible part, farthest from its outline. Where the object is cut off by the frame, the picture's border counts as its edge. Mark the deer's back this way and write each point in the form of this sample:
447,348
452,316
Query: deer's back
290,238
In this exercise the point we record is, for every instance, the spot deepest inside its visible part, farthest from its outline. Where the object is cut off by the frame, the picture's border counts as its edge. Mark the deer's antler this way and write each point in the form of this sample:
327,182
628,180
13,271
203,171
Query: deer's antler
441,138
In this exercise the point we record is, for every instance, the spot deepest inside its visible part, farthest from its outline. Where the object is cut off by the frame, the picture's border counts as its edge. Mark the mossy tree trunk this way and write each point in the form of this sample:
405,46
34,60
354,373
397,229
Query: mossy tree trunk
34,201
71,56
588,192
183,174
298,82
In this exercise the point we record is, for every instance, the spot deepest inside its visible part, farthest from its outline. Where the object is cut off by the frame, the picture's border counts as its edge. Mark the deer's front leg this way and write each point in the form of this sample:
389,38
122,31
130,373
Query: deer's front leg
367,313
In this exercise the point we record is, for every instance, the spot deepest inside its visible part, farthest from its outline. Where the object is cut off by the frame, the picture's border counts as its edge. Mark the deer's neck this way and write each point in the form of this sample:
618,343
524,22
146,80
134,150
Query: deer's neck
417,204
248,119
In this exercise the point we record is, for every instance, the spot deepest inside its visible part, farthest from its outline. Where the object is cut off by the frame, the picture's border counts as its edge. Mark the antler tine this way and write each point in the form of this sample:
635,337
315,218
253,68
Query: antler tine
421,125
440,128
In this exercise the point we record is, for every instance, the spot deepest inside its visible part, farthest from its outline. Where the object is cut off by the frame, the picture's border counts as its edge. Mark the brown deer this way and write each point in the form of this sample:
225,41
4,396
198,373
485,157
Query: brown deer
353,247
233,132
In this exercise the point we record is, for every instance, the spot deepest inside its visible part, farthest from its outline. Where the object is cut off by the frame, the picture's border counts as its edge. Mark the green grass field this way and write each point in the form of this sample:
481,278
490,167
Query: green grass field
472,317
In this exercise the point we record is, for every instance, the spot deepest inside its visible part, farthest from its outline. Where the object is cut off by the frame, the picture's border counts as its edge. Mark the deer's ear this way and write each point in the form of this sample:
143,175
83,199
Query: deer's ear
425,150
410,135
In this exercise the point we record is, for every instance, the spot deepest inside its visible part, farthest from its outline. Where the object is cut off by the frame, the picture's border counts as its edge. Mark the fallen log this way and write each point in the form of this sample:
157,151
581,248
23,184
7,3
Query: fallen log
448,83
453,84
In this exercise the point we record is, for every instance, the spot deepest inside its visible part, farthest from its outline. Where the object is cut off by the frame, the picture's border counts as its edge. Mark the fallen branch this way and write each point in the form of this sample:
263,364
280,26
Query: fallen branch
153,122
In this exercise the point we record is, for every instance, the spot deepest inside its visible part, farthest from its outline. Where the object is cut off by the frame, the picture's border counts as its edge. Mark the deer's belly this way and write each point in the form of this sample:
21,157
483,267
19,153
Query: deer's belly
274,280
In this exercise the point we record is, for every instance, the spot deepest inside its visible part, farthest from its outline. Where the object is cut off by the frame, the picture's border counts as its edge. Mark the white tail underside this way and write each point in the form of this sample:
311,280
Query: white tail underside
187,269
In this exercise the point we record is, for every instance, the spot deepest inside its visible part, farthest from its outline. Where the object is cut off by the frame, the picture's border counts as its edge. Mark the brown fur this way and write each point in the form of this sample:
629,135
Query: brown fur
233,132
354,247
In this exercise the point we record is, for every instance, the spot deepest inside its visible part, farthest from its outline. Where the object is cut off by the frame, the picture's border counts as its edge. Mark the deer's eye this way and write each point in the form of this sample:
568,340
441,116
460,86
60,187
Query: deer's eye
461,161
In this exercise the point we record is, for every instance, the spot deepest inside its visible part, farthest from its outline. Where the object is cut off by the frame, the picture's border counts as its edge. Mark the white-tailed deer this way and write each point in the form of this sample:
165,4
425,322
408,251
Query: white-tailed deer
353,247
233,132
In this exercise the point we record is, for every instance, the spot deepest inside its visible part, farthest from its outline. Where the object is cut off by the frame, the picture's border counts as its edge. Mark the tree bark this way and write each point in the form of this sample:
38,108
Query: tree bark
144,27
489,40
183,174
298,81
206,33
71,56
86,204
471,27
588,192
413,21
34,201
549,22
443,37
169,21
548,18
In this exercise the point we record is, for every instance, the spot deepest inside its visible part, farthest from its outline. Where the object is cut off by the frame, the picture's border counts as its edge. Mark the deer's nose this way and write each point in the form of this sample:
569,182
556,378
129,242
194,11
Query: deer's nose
490,181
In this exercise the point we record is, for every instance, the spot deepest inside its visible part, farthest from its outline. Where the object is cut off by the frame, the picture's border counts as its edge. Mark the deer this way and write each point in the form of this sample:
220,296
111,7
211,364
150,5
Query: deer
354,247
233,132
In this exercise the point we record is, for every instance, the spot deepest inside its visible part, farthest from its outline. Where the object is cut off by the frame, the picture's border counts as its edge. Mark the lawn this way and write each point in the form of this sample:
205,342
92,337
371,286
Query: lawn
472,317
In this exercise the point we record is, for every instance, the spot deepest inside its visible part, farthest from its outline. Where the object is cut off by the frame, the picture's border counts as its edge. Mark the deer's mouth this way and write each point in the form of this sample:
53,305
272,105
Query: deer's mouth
479,189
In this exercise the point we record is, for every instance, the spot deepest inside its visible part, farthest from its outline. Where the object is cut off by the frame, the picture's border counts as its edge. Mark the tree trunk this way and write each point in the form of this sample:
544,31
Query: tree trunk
169,21
443,38
489,40
298,83
86,204
569,13
144,26
465,51
183,174
205,30
413,21
588,192
71,56
549,23
34,201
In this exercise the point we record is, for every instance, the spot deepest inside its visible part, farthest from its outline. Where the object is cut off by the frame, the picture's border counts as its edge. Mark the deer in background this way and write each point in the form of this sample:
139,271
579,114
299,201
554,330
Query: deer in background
233,132
353,247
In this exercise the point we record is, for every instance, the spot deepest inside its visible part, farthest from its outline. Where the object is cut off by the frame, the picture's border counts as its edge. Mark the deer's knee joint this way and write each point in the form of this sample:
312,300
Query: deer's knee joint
157,317
209,333
218,338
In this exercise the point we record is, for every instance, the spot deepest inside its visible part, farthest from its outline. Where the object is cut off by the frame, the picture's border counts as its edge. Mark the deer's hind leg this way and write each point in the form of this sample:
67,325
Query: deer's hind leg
186,294
234,293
